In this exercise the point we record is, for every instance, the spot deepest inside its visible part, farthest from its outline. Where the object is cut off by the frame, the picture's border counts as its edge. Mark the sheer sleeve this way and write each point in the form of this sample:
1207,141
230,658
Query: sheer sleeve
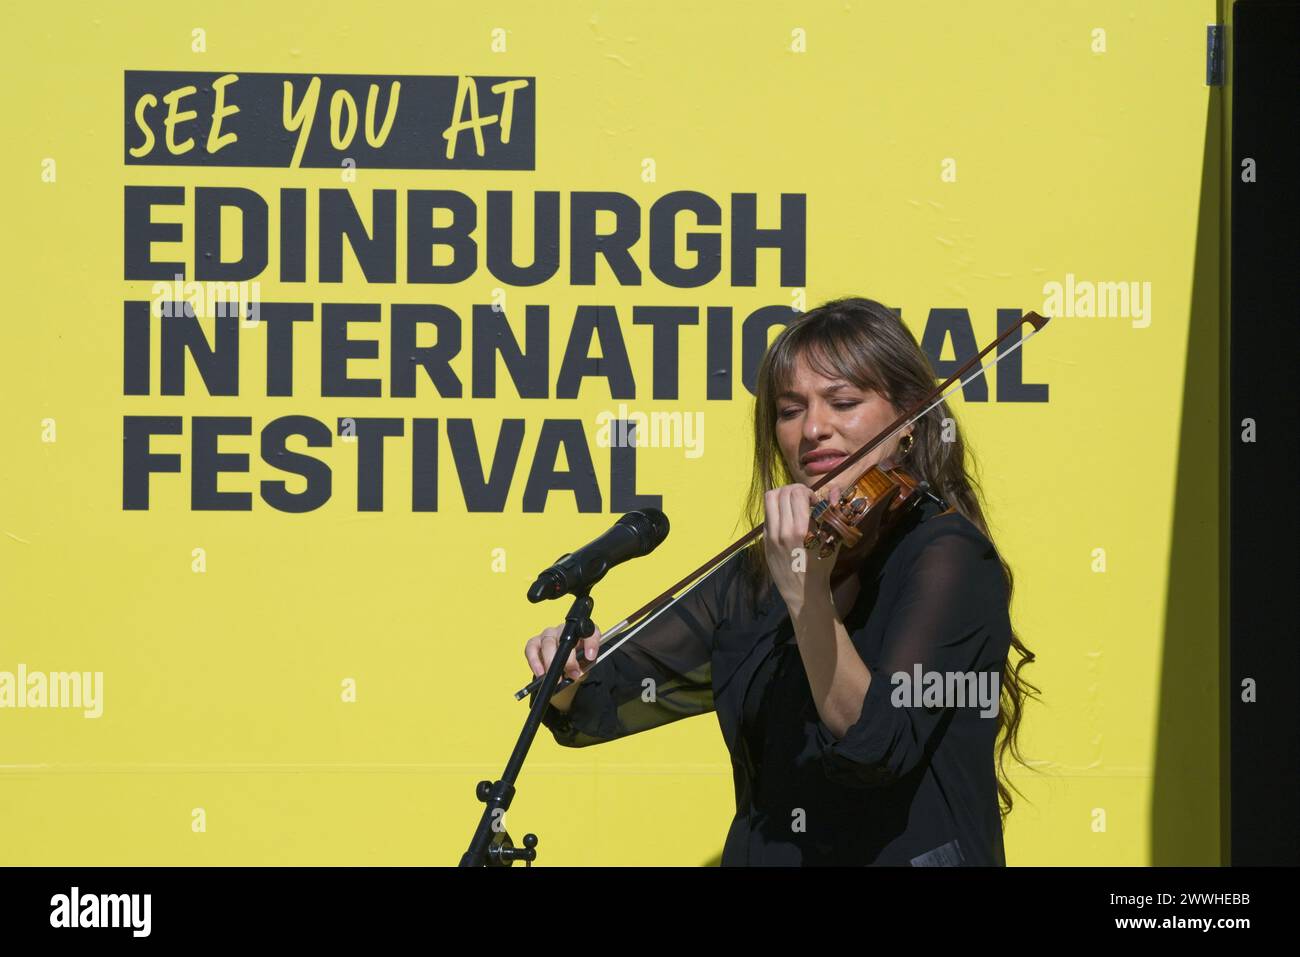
661,674
950,617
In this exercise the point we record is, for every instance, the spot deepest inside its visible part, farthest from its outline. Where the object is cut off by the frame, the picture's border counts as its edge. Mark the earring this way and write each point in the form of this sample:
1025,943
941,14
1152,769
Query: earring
906,443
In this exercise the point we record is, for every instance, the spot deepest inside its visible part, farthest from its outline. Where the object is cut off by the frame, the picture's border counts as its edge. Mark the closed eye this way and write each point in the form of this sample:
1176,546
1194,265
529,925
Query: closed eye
792,411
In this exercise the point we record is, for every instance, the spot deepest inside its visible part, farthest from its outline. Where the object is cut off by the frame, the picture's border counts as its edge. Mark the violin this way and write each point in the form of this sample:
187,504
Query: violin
865,510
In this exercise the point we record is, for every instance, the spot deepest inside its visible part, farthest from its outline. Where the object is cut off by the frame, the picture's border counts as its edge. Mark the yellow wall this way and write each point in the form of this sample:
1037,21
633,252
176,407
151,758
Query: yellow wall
222,688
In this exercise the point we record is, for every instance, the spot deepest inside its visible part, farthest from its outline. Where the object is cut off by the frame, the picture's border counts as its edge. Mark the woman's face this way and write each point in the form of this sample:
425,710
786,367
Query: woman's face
821,421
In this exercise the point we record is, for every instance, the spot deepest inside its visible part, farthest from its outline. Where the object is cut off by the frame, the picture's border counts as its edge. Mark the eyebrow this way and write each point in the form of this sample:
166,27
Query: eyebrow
829,390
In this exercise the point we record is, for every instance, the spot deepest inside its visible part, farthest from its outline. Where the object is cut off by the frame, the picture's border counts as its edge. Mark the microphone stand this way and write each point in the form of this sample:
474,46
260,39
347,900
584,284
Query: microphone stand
491,845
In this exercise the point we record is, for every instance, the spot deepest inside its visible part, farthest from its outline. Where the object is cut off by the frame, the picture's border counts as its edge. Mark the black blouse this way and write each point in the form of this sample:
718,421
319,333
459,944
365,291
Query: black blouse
911,782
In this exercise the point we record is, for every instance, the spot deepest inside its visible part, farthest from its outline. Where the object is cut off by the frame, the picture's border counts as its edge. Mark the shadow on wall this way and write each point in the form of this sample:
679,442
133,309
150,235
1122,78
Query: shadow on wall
1185,794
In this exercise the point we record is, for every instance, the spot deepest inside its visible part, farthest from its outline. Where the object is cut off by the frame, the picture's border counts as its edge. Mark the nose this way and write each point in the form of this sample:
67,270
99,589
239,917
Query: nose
816,424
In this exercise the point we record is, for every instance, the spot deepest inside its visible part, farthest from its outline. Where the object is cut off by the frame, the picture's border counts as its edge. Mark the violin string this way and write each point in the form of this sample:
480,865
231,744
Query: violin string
607,647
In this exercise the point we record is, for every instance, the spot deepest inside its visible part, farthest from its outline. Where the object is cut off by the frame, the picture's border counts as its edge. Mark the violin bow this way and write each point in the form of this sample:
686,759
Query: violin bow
634,622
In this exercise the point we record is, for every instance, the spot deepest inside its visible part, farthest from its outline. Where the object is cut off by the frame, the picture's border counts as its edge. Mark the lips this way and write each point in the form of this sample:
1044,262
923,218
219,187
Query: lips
823,460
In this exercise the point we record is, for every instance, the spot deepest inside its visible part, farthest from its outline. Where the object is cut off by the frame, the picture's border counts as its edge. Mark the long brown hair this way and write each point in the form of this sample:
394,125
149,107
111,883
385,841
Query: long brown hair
865,343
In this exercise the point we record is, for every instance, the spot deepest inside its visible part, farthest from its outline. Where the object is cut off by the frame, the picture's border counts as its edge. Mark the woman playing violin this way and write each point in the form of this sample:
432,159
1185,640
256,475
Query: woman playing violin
868,698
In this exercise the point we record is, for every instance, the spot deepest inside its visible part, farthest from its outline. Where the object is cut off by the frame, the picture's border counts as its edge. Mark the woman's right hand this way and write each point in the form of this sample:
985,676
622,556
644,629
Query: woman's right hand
540,652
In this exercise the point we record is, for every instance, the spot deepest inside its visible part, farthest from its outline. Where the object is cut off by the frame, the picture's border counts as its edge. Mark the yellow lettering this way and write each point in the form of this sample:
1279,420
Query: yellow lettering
145,102
302,118
215,140
175,118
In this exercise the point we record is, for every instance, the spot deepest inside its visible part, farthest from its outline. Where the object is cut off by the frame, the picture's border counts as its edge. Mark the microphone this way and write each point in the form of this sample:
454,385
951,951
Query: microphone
635,534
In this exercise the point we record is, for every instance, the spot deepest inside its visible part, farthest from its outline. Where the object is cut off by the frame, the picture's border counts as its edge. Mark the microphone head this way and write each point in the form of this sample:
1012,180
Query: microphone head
658,525
651,527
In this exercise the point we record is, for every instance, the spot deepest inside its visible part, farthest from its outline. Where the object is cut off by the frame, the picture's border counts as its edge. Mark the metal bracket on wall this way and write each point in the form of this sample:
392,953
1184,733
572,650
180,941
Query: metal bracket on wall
1214,54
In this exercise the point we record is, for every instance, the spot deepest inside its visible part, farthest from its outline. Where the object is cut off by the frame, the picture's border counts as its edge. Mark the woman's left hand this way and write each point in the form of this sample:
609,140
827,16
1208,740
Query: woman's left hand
800,576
